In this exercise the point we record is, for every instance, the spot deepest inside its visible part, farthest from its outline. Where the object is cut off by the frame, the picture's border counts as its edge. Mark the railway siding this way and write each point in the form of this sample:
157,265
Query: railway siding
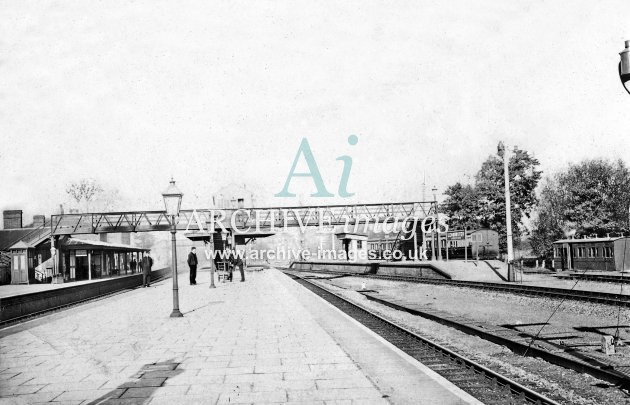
510,338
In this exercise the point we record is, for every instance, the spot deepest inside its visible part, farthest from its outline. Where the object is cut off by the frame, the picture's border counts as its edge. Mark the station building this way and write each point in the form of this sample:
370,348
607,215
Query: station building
26,254
596,254
480,243
355,245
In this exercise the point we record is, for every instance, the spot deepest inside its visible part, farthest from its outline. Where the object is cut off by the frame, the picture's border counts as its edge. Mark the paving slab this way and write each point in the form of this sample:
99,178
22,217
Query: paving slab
267,340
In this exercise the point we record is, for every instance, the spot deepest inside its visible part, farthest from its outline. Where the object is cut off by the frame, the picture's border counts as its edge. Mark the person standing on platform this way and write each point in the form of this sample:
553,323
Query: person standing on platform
238,262
192,264
231,263
147,263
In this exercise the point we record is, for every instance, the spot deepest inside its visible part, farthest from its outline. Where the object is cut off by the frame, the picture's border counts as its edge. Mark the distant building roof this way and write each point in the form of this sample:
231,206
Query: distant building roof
9,237
351,235
388,239
590,240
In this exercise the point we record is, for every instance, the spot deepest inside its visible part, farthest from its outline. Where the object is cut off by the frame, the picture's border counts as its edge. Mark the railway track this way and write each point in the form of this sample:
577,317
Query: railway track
5,323
529,290
484,384
595,277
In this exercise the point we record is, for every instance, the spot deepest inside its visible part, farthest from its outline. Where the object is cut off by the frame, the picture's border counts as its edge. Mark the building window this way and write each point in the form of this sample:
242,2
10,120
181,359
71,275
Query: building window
359,244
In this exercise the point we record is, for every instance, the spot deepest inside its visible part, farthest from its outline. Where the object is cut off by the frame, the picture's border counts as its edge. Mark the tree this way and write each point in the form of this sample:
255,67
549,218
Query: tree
484,204
84,190
546,226
461,205
490,188
588,198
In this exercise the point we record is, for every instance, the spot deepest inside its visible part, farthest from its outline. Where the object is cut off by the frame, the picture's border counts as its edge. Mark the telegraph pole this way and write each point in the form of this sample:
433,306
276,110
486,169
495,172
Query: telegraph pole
503,152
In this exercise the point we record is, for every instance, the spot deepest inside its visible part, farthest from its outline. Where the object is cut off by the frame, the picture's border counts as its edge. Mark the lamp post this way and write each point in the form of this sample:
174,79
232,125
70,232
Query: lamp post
624,67
624,75
508,210
210,245
172,202
436,237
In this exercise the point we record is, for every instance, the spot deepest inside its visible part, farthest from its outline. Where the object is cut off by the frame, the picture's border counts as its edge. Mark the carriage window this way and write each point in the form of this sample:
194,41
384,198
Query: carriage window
580,252
608,252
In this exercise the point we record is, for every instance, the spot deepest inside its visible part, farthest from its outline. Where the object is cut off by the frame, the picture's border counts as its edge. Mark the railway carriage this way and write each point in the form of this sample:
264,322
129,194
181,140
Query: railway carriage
597,254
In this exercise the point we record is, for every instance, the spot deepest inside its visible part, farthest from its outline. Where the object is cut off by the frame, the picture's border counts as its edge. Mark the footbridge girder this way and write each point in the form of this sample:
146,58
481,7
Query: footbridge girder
261,219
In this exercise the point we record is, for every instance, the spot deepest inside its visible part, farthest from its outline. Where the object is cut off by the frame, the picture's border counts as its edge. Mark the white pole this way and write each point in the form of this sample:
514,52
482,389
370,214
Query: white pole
508,207
508,213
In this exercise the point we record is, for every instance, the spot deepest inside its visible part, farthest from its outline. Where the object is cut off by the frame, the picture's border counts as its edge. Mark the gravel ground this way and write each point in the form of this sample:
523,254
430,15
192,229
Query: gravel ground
562,385
578,325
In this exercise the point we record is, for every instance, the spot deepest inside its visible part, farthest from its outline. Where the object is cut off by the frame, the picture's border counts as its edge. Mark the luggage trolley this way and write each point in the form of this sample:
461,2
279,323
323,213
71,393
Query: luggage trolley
222,271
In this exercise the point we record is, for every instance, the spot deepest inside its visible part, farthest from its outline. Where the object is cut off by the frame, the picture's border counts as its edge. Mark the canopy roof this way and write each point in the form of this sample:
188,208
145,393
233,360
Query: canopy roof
74,244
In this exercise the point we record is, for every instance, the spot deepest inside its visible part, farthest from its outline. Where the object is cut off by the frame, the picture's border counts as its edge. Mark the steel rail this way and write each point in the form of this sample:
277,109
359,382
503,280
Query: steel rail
502,386
529,290
601,278
38,314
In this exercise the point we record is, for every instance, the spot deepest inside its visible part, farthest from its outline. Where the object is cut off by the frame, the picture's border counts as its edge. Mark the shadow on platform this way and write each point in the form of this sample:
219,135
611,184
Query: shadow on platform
143,384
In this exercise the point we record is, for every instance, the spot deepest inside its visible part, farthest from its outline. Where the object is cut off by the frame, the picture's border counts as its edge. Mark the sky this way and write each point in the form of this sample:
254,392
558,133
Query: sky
131,93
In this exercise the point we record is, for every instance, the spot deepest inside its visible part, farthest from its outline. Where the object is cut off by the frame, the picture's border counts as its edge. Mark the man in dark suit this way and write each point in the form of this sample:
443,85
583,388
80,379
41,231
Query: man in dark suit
192,264
231,263
147,263
238,262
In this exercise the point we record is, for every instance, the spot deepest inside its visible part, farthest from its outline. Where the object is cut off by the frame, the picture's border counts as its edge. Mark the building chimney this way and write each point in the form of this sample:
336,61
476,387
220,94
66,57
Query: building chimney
38,221
12,219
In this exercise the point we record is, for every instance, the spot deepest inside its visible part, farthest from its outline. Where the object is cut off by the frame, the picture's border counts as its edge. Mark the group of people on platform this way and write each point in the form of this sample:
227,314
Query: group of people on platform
133,264
233,260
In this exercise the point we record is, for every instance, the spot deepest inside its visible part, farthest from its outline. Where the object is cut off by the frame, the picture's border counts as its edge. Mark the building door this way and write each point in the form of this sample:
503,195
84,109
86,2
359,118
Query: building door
19,269
81,268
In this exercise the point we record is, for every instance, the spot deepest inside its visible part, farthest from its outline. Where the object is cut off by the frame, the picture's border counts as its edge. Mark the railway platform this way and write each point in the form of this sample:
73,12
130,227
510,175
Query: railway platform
14,290
267,340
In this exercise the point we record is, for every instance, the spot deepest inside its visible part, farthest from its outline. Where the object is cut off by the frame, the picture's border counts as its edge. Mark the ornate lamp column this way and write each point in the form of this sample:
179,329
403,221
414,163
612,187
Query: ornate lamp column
172,202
